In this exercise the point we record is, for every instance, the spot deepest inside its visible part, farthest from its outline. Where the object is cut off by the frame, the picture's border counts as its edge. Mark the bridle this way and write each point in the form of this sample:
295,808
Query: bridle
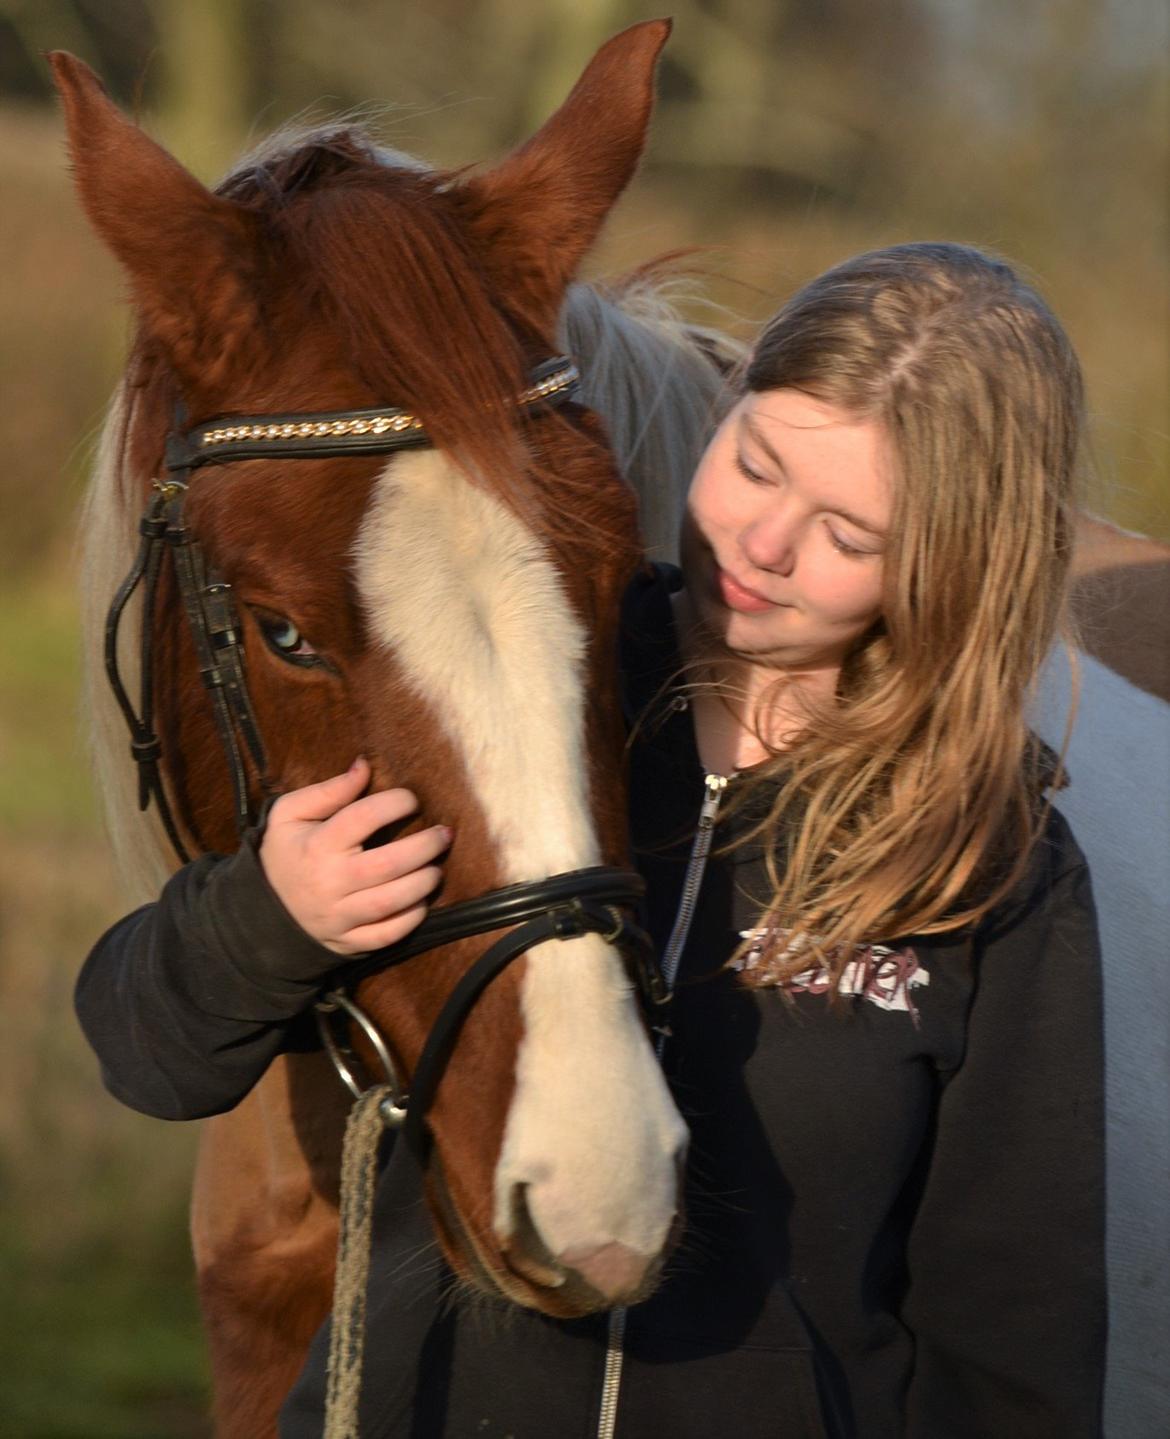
562,906
207,599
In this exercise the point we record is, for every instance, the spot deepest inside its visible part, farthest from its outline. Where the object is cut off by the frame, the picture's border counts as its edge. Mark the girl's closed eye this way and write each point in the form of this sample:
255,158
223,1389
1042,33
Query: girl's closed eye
747,472
842,545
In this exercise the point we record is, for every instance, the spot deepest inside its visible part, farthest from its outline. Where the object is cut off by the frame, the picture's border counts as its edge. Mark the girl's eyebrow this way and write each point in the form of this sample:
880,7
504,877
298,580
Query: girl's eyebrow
758,438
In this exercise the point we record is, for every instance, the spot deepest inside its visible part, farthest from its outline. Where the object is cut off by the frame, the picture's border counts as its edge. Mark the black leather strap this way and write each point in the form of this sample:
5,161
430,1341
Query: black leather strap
564,906
511,904
320,434
561,922
145,747
214,633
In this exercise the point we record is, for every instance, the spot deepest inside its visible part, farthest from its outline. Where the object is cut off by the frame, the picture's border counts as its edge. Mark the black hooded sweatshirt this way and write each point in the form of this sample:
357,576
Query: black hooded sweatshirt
895,1203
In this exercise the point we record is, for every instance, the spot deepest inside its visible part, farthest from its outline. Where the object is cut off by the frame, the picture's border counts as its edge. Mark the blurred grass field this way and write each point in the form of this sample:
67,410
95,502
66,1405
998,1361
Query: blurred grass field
99,1337
98,1332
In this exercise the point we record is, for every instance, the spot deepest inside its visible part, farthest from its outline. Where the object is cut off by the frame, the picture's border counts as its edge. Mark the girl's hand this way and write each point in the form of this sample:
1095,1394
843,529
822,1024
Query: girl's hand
350,899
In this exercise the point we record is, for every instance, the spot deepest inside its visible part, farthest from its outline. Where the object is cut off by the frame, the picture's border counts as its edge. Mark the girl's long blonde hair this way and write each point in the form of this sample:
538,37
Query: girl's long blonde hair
909,806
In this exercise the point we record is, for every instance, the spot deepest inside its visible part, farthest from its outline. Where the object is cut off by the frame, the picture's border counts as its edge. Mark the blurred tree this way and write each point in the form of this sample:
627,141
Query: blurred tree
28,28
115,36
207,82
806,127
567,32
1043,131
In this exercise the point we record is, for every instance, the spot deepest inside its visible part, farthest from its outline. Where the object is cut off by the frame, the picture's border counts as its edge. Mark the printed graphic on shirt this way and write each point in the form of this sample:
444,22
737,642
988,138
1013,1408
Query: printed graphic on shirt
879,974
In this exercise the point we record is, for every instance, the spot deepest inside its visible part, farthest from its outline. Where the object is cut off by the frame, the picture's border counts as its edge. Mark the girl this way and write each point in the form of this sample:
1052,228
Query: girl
886,1032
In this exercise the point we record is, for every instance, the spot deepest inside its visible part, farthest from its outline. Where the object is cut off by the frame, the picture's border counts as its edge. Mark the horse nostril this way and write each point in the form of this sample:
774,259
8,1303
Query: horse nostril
527,1252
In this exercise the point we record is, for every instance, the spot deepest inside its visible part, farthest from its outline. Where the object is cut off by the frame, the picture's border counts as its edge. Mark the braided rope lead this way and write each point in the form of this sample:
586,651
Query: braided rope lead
359,1155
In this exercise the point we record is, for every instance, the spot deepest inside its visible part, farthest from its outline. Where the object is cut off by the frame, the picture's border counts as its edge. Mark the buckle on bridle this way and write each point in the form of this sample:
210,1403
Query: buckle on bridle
347,1061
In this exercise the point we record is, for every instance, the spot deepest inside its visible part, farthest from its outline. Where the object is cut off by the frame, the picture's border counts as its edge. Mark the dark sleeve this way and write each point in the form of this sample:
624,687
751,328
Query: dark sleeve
1007,1275
187,1001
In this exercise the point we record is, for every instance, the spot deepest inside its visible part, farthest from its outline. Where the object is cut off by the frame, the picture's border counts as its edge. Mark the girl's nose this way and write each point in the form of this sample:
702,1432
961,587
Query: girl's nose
769,543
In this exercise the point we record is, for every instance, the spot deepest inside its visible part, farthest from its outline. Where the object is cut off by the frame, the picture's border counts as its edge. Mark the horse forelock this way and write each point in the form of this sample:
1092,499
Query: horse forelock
297,153
368,270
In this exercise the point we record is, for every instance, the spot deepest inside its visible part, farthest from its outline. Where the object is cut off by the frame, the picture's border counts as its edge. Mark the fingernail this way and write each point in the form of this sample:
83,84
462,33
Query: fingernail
357,764
446,832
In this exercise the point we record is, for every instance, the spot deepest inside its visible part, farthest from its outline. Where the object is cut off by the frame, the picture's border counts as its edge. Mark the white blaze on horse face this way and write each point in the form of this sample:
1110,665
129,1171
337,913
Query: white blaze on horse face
476,615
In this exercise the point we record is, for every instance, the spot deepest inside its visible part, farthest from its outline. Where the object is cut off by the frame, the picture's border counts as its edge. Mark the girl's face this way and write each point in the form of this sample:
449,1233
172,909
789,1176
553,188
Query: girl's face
786,521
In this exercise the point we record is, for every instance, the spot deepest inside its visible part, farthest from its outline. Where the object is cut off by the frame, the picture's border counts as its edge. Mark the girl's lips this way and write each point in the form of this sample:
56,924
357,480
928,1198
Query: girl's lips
736,597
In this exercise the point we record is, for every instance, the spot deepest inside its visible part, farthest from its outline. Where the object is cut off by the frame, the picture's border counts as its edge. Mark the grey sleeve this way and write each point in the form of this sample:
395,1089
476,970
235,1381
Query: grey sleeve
187,1001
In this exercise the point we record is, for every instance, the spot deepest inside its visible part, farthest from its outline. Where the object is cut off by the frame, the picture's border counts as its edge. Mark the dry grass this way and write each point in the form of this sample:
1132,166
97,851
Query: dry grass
98,1334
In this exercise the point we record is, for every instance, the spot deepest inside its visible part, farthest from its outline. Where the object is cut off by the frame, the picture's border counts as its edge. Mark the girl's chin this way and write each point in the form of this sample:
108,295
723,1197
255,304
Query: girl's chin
764,647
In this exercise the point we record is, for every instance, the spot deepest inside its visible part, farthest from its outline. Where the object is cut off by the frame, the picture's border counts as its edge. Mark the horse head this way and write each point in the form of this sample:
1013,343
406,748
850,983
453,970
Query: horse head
449,611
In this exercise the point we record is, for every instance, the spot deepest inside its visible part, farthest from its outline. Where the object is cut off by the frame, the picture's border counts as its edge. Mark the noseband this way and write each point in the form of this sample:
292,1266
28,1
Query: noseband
563,906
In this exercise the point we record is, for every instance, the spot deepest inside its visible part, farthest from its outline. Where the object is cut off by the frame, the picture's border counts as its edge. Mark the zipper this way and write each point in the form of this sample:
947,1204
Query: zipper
611,1384
713,787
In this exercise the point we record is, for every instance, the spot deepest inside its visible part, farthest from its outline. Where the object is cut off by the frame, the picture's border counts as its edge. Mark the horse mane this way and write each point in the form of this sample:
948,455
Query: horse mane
655,379
108,540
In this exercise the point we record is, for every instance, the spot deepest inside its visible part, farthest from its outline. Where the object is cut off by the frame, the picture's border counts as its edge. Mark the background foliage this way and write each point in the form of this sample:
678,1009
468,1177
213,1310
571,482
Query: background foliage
789,134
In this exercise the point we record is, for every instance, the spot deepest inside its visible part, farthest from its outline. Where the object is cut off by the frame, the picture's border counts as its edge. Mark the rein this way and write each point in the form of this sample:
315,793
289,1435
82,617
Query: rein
564,906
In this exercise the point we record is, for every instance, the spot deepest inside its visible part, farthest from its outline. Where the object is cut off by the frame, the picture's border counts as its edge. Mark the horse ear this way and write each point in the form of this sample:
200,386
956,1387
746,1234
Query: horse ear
538,212
187,252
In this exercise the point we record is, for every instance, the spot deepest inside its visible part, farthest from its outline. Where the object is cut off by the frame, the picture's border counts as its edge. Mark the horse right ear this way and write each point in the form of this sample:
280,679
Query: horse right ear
536,214
187,252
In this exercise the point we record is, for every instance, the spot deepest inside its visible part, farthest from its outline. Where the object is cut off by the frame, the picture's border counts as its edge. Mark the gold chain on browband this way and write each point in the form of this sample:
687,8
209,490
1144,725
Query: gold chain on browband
365,422
376,431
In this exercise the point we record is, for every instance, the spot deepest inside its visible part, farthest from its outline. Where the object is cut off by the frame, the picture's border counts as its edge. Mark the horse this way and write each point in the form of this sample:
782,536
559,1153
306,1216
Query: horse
450,613
264,1215
1118,803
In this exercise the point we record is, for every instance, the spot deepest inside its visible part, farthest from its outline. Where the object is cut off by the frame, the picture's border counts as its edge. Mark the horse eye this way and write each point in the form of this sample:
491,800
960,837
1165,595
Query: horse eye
285,640
284,636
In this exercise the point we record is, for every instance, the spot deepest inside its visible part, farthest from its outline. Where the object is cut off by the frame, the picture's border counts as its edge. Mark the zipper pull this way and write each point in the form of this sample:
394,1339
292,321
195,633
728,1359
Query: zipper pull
713,787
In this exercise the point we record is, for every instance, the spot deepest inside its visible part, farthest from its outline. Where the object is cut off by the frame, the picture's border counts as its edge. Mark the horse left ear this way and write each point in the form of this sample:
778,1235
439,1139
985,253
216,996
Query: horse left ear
538,212
190,255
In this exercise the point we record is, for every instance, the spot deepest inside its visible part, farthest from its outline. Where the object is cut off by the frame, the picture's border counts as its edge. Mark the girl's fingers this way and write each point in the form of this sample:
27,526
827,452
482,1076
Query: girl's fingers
357,821
371,867
320,801
377,936
384,901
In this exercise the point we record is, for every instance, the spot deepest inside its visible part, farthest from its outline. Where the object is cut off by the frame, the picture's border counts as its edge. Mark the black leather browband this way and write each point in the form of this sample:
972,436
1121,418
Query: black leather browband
321,434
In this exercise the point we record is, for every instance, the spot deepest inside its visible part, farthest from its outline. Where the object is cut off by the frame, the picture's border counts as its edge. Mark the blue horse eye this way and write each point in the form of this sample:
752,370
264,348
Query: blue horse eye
285,635
285,639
